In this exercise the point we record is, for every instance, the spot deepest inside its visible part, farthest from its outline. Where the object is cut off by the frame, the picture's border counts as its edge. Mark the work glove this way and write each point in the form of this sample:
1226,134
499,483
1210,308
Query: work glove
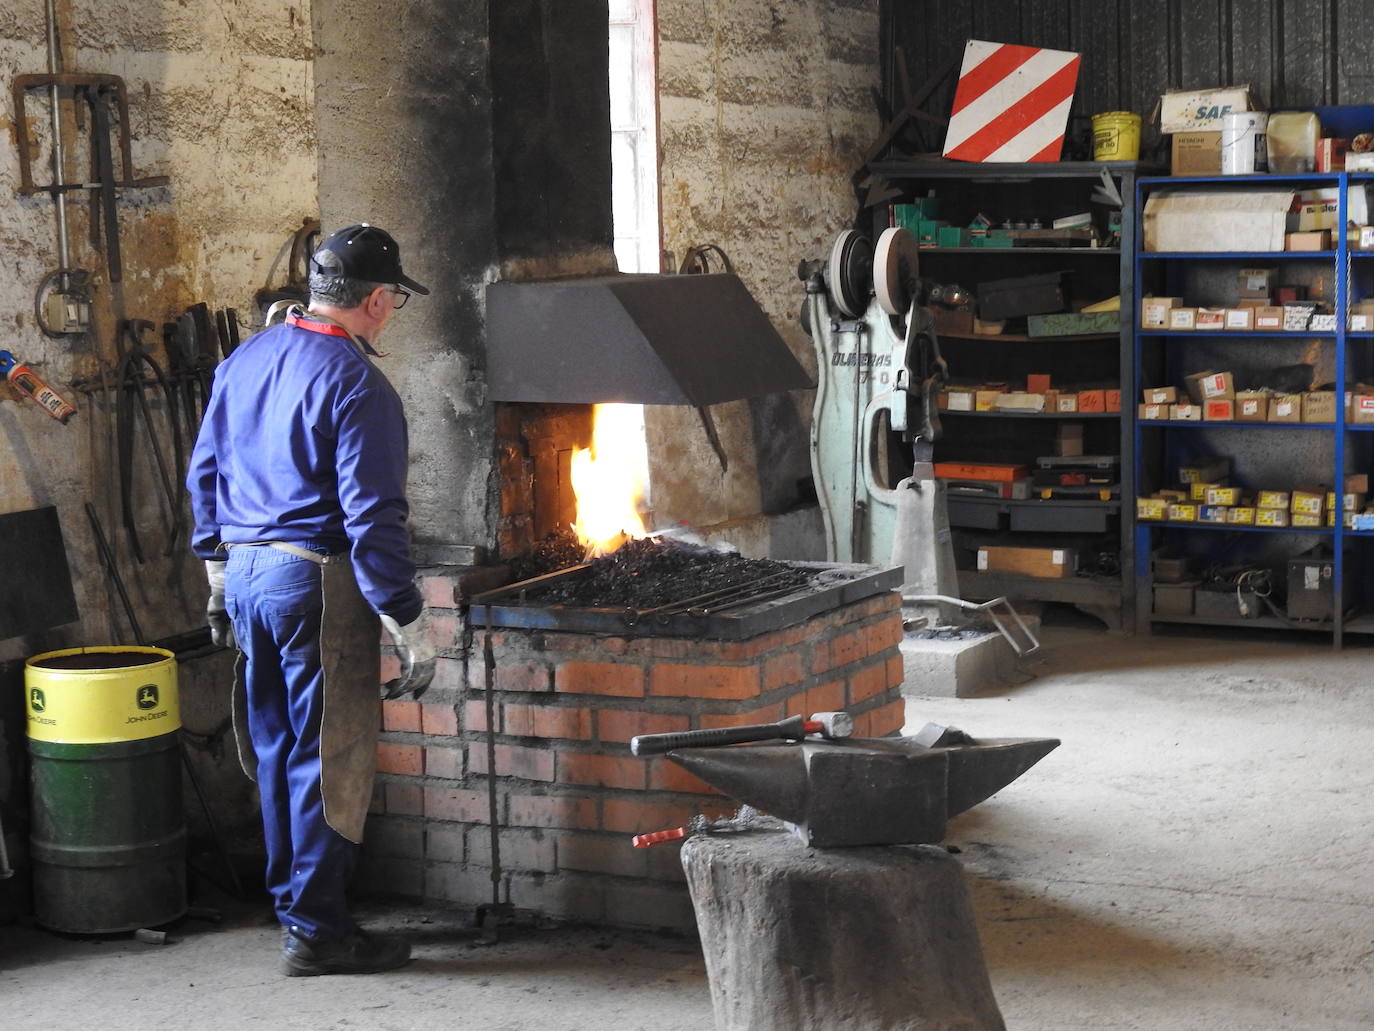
416,650
221,630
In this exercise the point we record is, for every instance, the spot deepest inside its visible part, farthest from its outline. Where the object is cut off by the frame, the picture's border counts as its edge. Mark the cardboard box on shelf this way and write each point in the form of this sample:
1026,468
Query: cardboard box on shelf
1211,514
1020,401
1094,401
1361,323
1357,483
1222,496
1211,469
1038,382
1349,502
960,400
1271,517
1252,406
1254,282
1316,210
1308,500
1152,509
1182,318
1241,515
1273,499
1185,413
1068,440
1269,317
1183,512
1319,406
1308,240
1159,395
990,471
986,400
1289,293
1068,401
1306,519
1285,408
1112,396
1187,221
1362,409
1042,563
1240,318
1322,322
1172,495
1152,413
1190,110
1195,153
1210,318
1210,386
1219,411
1198,491
1254,302
1154,311
1297,317
1331,154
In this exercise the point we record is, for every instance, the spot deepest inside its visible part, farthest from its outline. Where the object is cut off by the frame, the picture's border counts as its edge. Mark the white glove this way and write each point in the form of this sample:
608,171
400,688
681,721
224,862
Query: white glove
417,656
221,630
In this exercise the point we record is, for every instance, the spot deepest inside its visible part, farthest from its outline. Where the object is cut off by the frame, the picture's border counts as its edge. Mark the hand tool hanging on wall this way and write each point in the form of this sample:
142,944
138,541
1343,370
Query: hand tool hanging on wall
26,381
227,321
131,400
297,285
697,261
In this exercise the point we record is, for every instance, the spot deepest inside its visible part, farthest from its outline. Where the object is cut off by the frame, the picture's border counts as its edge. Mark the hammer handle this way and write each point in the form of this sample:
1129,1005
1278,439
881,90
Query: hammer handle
656,744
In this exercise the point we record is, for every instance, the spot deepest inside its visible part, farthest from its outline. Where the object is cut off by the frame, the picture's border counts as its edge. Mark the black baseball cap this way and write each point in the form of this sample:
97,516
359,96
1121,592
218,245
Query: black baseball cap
363,252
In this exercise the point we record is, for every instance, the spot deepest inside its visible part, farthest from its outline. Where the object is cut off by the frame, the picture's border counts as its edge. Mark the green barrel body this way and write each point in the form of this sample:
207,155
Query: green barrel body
108,838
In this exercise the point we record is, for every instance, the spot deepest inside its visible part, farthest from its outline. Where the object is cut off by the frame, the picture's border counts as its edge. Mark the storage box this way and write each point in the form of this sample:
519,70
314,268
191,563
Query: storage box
1296,317
1269,317
1274,499
1043,563
1154,311
1357,483
1252,406
1210,386
1240,318
1023,295
1195,153
1038,382
1191,110
1159,395
1307,500
1174,599
1185,413
1198,491
1322,322
1211,469
986,400
1073,323
960,400
1219,411
1152,509
1068,402
1241,515
1183,512
1305,520
1152,413
1222,496
1308,240
1112,395
993,473
1319,406
1237,220
1255,282
1285,408
1020,401
1331,154
1182,318
1271,517
1317,209
1211,318
952,236
1092,401
1068,440
1362,409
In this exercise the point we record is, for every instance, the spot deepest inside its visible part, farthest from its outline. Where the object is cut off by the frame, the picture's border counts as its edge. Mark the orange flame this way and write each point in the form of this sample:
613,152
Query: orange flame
610,479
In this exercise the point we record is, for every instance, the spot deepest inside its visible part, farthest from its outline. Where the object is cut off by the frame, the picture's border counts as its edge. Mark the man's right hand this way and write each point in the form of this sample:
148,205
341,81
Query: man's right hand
221,630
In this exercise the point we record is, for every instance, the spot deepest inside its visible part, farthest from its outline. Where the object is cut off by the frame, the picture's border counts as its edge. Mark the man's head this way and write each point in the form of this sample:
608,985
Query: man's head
356,275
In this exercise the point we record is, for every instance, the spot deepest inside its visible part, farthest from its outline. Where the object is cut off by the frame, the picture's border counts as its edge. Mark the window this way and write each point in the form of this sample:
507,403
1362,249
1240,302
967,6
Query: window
634,136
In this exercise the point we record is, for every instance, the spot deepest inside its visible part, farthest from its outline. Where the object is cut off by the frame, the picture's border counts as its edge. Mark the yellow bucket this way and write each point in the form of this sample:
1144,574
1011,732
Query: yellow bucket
1116,136
93,696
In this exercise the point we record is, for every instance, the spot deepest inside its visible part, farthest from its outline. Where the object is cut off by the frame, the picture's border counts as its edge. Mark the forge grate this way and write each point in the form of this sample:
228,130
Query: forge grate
745,598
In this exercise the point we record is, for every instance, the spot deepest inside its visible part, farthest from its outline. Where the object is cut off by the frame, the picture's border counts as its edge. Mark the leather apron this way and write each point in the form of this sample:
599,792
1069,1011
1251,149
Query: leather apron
350,657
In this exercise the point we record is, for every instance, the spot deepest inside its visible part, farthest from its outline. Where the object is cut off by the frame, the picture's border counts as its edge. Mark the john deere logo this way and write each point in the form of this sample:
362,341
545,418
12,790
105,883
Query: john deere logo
147,696
36,700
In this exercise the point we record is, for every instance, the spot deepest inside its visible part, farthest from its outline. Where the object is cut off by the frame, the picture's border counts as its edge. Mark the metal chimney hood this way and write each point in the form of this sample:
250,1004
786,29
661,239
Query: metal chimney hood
645,339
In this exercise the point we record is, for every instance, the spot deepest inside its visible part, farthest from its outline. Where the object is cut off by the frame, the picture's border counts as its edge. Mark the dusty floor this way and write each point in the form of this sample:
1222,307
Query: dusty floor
1195,856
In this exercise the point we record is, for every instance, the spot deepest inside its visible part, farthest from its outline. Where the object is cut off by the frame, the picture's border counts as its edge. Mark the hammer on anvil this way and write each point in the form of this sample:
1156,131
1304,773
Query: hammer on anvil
829,725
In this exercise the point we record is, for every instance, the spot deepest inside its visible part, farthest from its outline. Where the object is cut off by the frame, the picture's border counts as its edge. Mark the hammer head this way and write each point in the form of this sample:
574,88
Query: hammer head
832,724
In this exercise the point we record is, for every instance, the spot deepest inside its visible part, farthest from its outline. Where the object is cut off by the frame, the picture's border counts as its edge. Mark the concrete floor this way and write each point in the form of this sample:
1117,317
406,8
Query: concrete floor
1195,856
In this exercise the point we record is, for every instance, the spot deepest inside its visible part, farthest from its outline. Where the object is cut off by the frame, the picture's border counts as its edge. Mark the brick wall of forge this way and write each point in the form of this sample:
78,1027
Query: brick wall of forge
569,794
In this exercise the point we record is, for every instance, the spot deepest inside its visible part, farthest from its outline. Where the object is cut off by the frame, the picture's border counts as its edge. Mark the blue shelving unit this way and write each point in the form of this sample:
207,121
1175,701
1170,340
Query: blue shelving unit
1170,346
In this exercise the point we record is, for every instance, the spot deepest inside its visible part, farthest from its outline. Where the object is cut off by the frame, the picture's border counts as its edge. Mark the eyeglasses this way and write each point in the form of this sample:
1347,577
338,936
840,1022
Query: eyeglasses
400,296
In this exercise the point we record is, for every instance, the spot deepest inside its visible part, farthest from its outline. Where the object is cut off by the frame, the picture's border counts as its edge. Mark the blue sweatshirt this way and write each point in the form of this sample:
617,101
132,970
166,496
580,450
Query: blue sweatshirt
305,441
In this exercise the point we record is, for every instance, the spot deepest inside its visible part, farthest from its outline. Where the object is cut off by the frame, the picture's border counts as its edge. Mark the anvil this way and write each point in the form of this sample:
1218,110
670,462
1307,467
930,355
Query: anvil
867,791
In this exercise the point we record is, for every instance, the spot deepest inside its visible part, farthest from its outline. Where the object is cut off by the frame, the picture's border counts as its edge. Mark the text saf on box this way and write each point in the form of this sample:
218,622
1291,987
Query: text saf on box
1044,563
1237,220
1199,110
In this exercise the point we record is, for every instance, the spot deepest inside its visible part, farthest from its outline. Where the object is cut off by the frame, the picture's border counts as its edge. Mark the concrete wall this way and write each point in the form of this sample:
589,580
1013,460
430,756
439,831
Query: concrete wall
764,114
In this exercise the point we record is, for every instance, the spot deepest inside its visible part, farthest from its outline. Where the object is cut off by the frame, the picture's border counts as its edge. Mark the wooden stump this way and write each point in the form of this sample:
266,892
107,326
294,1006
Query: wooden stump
859,939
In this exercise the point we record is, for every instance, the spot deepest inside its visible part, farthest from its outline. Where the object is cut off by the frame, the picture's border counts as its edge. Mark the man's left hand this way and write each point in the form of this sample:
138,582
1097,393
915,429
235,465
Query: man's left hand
417,653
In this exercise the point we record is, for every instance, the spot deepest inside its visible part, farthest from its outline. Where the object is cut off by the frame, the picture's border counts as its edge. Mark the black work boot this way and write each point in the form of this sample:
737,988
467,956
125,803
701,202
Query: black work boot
359,953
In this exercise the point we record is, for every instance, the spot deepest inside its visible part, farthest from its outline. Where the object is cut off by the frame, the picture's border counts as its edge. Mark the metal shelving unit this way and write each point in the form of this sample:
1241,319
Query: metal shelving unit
993,188
1149,438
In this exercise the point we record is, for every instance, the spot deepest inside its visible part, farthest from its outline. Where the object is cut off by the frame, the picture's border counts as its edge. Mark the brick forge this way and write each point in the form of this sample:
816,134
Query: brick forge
569,793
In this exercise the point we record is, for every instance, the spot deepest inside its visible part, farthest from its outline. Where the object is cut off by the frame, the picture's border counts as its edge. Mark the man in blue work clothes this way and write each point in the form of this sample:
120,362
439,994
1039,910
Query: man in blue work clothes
297,486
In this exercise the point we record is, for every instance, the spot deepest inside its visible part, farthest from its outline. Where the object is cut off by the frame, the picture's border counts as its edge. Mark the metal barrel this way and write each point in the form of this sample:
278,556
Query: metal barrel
108,837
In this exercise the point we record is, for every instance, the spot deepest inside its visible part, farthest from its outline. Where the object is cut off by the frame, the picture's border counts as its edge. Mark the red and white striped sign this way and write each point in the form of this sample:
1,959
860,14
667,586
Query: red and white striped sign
1011,103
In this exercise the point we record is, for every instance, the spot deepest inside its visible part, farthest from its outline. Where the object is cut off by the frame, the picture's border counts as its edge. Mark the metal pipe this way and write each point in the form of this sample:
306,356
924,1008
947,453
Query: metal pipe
58,155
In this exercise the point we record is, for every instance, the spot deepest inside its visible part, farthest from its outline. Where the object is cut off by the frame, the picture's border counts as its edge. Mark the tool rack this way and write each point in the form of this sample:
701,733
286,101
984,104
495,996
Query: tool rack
1302,451
1100,524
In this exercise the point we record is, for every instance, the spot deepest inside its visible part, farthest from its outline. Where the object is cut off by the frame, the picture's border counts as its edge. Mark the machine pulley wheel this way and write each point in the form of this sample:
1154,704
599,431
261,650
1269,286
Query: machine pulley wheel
896,267
849,273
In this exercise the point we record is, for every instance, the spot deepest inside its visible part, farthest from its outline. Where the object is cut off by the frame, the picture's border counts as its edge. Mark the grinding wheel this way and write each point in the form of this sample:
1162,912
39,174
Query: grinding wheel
849,273
896,264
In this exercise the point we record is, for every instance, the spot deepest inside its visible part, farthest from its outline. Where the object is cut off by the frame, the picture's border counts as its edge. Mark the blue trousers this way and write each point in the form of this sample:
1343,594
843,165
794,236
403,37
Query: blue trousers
276,603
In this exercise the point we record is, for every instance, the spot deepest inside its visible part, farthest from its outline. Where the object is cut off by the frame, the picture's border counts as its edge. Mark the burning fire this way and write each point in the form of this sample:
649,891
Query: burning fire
610,479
